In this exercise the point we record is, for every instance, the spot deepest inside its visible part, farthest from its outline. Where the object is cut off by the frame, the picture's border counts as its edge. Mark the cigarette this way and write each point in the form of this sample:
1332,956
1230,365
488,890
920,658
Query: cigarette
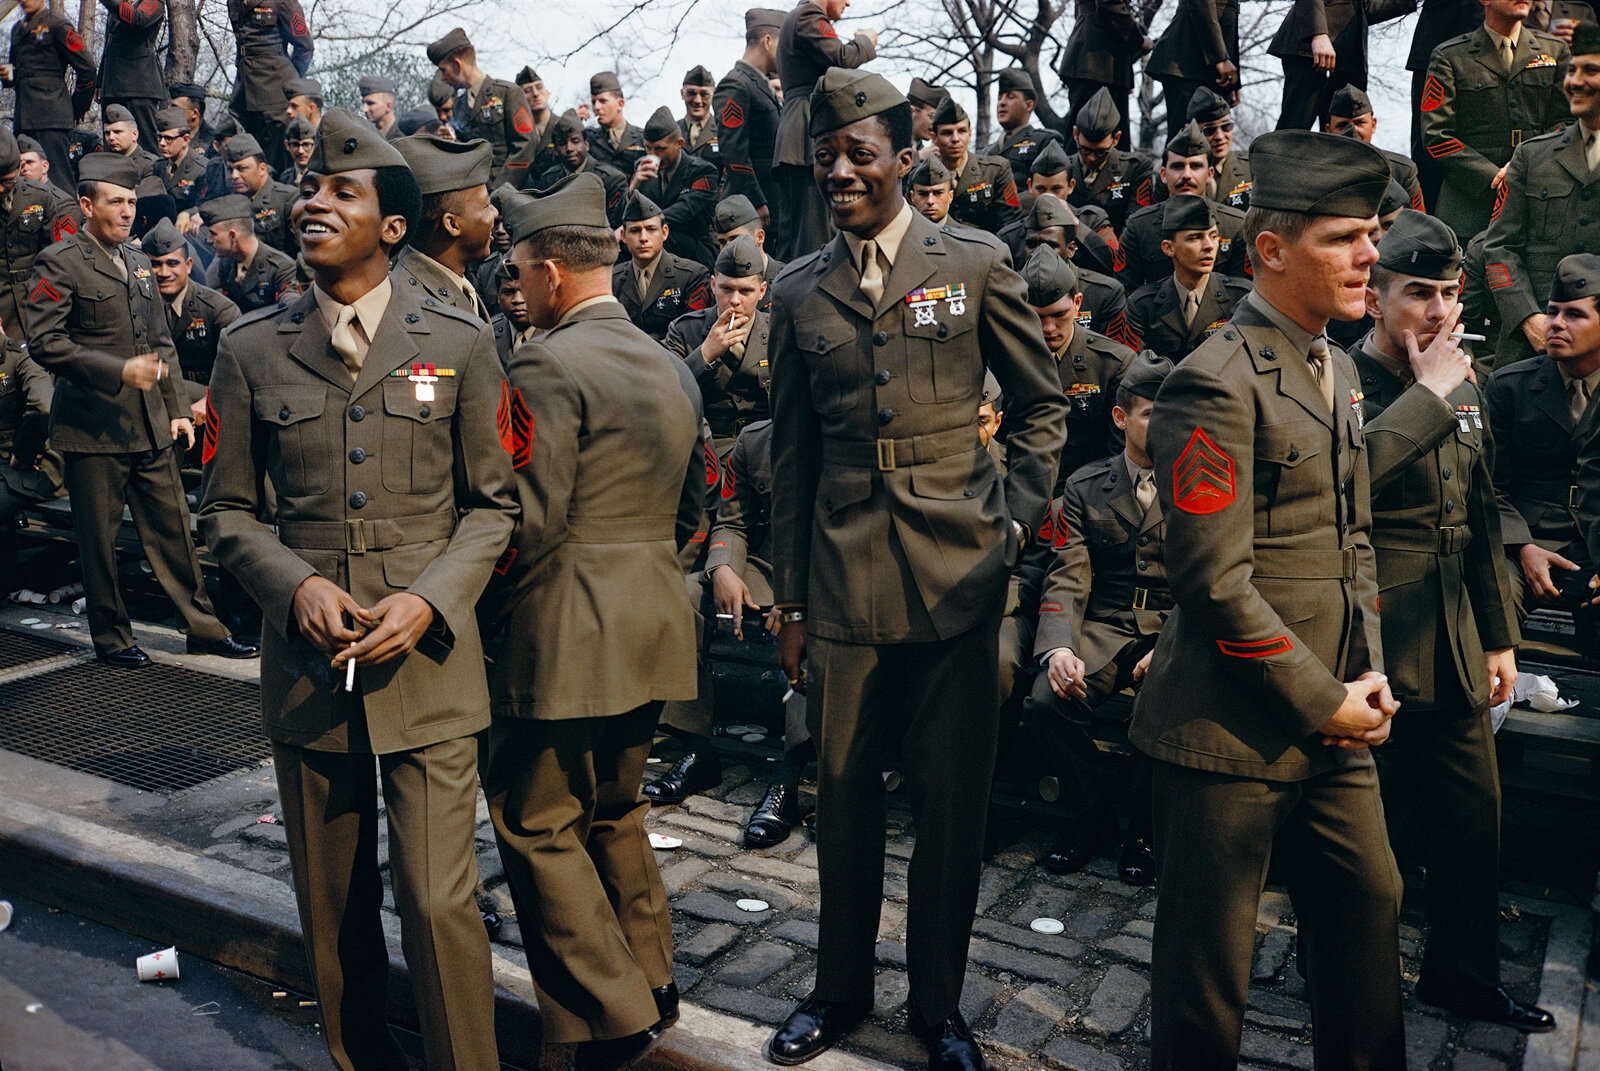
350,675
788,695
1468,336
724,617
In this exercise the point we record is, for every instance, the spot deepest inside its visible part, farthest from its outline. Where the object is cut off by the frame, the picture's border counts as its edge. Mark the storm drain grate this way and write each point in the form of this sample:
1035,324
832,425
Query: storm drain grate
17,649
158,728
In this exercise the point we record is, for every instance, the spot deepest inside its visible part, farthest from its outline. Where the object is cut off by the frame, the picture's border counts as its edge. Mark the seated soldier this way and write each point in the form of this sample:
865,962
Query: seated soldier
299,138
654,286
1185,168
725,345
249,272
570,145
1230,179
985,189
182,168
28,474
512,324
196,314
736,215
249,175
1352,115
1102,603
1175,315
930,191
1020,140
1103,174
1051,224
1090,365
682,184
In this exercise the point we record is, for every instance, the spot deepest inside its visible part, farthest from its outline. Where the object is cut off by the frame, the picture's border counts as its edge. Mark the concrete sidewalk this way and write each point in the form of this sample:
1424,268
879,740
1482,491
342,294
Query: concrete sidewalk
198,869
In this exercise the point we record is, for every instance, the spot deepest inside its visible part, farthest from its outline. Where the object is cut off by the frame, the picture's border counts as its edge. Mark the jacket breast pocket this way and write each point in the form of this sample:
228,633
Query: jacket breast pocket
293,415
1549,205
97,308
1291,475
418,452
942,359
838,375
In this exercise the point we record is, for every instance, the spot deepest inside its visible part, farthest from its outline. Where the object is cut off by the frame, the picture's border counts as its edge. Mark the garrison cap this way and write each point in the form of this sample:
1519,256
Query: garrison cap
302,87
440,91
949,112
1207,105
1098,118
241,146
1350,102
1049,278
741,258
410,122
170,118
222,209
1145,375
162,239
111,167
26,144
566,126
442,166
764,18
1015,78
1585,38
1188,142
188,91
150,186
576,201
734,212
991,389
698,76
498,195
842,97
639,208
1051,160
924,95
375,83
1395,198
1186,212
301,129
1422,246
225,127
527,76
115,113
10,152
931,172
347,142
1050,211
660,126
604,82
448,45
1576,276
1317,174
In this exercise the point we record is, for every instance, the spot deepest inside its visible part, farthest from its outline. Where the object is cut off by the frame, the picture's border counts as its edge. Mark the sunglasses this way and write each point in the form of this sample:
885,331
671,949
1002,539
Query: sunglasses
1219,128
514,267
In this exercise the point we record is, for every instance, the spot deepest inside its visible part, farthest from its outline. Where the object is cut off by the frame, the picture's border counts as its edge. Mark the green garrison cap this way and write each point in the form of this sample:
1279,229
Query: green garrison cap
566,126
1049,278
162,239
498,195
660,126
1576,276
302,87
1098,118
450,43
150,186
576,201
300,128
764,19
1316,174
347,142
949,112
1146,374
1207,105
527,76
741,258
1050,211
114,168
1188,142
115,113
442,165
439,91
375,83
1422,246
412,121
25,144
241,146
991,389
221,209
1350,102
11,152
1585,38
931,172
170,118
698,76
1186,212
1016,79
640,208
189,91
734,212
226,126
842,97
924,94
1051,160
1395,197
604,82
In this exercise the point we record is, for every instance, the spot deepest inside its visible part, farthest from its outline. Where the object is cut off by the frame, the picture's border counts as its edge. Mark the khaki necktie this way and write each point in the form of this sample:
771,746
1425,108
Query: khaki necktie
1321,362
1191,305
1578,399
641,279
1144,490
1508,54
344,340
1591,151
871,272
694,132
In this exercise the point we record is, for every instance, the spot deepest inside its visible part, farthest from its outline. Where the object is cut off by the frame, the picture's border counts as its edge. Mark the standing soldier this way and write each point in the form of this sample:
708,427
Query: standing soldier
1103,175
394,499
1198,49
615,142
1323,47
274,46
181,169
377,105
303,100
250,272
1106,40
122,137
488,108
882,338
1351,114
984,187
299,139
129,74
457,221
270,200
1449,621
746,111
924,100
33,219
43,46
808,46
1021,140
1176,314
1437,22
699,130
95,322
538,98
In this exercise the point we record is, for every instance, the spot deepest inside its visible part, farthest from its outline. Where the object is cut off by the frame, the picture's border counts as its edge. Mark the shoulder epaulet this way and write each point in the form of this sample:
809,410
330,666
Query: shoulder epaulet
266,312
1147,290
1517,368
1546,35
755,427
1091,471
1226,210
1459,39
1237,281
1107,345
797,264
977,236
1144,210
1549,135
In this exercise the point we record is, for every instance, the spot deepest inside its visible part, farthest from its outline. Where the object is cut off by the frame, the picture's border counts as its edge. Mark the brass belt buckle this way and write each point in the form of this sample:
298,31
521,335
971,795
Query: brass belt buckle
355,537
885,455
1140,597
1572,496
1349,562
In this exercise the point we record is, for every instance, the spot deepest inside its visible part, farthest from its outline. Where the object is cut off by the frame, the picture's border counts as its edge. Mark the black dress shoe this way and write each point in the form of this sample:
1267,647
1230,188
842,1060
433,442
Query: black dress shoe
1136,865
666,1005
813,1028
127,658
695,772
227,647
613,1054
950,1044
1490,1005
774,817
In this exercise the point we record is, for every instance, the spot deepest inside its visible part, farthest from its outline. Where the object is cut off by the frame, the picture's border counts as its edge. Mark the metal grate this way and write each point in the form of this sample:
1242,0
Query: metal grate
17,649
158,728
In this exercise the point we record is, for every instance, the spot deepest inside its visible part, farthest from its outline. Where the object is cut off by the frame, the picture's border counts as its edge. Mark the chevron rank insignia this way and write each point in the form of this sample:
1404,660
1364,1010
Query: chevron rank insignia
1202,477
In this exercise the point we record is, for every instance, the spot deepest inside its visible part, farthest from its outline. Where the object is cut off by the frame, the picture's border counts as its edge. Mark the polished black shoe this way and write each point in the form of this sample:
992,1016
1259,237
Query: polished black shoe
695,772
1136,865
227,647
666,1005
813,1028
774,817
613,1054
1490,1005
950,1044
1071,853
127,658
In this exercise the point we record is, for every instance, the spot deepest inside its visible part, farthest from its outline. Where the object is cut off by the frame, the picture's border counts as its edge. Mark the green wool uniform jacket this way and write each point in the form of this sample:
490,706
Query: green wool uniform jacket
807,46
378,491
877,468
35,220
1157,312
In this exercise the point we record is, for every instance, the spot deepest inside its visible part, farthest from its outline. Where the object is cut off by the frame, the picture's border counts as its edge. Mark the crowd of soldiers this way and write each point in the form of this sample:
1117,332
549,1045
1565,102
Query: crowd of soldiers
504,415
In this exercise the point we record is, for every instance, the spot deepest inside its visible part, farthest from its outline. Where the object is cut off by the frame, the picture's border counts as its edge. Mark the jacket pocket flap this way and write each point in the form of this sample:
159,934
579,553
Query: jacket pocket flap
290,405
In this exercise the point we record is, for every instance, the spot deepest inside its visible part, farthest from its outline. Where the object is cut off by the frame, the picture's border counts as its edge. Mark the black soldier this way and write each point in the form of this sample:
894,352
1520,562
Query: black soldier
571,147
457,222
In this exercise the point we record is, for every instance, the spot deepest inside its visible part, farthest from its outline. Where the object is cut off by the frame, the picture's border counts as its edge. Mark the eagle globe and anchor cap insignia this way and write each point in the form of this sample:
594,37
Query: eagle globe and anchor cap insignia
1203,476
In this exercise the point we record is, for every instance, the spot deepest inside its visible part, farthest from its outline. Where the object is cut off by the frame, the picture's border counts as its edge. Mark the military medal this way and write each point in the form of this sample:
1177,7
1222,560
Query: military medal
923,301
1356,398
422,375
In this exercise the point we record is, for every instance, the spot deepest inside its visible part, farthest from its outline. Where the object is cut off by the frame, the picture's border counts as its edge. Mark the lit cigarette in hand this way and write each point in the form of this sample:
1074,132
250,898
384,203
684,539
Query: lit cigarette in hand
1468,336
350,674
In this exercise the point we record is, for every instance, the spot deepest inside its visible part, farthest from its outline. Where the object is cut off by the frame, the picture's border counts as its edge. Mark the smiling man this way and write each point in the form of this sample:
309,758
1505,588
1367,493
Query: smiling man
894,536
1266,687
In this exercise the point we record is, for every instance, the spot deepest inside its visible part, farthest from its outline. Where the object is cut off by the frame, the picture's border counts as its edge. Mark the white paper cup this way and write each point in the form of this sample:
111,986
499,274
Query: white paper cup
159,966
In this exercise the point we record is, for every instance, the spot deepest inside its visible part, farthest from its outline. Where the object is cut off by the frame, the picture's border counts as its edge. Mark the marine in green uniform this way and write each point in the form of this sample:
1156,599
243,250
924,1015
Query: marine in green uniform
274,45
457,221
736,216
682,184
1323,47
44,45
196,315
121,135
571,146
655,286
1230,185
985,190
1185,169
33,217
1178,313
249,175
615,142
488,108
130,77
28,472
698,128
1104,305
1107,38
182,169
1351,113
1021,140
1198,49
537,94
247,270
745,109
1103,174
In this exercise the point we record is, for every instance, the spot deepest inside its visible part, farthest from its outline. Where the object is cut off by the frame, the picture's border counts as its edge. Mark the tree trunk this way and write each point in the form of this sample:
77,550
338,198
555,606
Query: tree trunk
58,7
183,41
87,12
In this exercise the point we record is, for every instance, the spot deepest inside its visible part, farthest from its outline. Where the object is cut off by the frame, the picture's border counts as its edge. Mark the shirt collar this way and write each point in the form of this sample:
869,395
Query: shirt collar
177,303
598,299
1501,39
369,307
1299,338
1401,370
888,239
1591,380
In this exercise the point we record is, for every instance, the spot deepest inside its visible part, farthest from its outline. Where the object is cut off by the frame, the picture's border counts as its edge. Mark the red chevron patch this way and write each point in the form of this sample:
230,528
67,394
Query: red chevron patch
1497,276
1499,202
1203,476
44,290
1432,94
1047,527
1447,147
1255,648
713,466
63,226
1145,194
1009,194
1122,331
213,429
727,478
74,42
1063,533
827,29
732,115
1417,203
522,121
298,27
701,184
515,424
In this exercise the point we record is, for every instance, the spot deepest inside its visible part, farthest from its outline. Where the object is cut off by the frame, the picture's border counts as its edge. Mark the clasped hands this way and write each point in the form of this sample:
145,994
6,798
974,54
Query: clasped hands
343,629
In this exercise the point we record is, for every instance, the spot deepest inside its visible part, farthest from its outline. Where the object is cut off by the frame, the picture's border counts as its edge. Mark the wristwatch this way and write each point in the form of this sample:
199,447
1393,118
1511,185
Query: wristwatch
1022,535
790,617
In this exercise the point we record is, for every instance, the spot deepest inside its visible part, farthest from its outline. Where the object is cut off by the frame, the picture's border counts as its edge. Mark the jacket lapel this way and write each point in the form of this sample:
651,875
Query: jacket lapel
392,347
1272,353
1171,307
839,278
311,346
1569,154
1118,489
1485,52
1550,395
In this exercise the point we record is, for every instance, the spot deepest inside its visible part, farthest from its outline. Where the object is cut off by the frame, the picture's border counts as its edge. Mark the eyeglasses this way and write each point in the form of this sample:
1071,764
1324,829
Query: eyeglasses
309,143
172,137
